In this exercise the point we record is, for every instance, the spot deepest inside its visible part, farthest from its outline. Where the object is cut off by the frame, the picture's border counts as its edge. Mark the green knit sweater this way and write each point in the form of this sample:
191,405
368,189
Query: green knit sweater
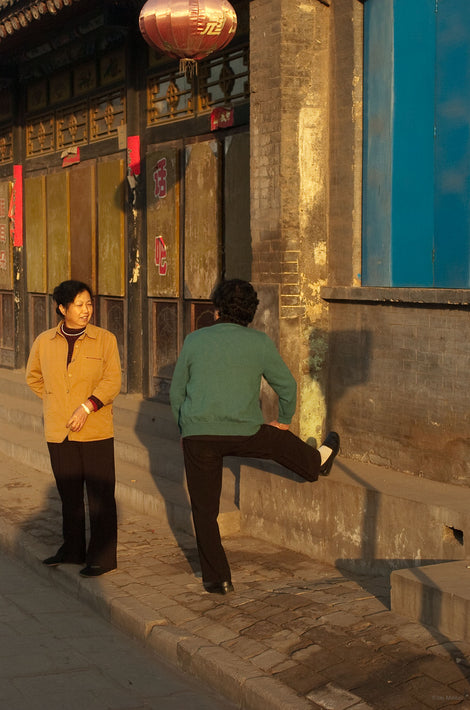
216,383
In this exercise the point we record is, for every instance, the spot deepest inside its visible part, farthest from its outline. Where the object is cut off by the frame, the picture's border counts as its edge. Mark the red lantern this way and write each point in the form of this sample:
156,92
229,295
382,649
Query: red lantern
187,29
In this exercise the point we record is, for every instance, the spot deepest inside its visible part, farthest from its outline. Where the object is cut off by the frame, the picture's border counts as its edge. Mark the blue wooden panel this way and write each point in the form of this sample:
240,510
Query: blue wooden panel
416,206
377,159
413,143
452,215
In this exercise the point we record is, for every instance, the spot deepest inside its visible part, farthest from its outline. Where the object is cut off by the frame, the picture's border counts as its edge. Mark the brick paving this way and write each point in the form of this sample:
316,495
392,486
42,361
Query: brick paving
295,634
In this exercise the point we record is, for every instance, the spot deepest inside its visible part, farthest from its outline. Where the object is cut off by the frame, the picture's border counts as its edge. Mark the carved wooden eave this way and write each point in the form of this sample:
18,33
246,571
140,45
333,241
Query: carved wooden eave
17,15
22,19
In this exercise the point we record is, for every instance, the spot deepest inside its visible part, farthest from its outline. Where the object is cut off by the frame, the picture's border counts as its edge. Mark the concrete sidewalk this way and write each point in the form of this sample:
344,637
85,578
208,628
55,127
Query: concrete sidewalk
296,634
57,654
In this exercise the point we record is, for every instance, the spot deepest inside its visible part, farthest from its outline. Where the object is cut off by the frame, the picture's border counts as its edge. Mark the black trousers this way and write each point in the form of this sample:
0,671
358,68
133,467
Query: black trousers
203,458
77,464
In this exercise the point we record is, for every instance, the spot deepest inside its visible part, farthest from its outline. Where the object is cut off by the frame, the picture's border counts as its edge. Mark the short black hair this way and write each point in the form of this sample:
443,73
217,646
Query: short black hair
65,293
236,300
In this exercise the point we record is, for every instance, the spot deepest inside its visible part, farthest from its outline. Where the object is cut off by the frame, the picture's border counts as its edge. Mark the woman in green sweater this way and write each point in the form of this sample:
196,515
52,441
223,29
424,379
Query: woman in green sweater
214,396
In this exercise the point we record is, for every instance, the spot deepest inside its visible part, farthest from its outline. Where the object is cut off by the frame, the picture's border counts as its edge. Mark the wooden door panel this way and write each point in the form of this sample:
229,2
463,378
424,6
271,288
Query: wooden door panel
163,224
111,264
58,229
6,261
83,224
237,246
202,251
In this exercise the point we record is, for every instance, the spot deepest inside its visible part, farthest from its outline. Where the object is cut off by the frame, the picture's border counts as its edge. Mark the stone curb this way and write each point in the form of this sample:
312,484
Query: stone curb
234,678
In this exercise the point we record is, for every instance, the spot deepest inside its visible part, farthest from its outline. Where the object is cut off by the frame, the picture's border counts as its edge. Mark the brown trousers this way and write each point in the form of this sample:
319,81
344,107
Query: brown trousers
90,464
203,458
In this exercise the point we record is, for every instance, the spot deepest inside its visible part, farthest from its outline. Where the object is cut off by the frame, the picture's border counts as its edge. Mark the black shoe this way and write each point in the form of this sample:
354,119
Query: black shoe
60,559
95,571
332,441
218,587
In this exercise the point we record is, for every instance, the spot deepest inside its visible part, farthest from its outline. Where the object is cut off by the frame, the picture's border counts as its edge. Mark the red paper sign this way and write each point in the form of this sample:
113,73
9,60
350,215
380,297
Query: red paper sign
16,206
72,157
133,155
221,118
160,256
159,178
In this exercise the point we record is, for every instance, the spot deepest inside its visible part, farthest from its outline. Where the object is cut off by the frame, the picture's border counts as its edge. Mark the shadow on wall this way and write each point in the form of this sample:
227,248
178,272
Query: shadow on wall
349,355
338,361
369,562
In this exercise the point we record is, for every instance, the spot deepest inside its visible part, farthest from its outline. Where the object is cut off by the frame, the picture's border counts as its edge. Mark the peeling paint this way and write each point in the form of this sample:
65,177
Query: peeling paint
319,253
314,306
310,167
313,408
345,533
318,346
306,8
136,270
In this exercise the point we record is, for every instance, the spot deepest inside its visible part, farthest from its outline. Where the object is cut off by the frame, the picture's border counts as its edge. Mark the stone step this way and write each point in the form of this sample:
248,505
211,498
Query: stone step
149,468
435,595
25,445
417,530
12,382
141,448
145,415
131,411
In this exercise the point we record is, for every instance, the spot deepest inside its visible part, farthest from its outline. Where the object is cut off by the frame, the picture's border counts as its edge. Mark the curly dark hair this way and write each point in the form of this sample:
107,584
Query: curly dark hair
236,300
65,293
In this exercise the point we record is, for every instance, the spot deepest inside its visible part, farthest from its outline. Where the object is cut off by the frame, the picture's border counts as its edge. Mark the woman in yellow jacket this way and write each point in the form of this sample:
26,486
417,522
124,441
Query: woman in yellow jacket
75,369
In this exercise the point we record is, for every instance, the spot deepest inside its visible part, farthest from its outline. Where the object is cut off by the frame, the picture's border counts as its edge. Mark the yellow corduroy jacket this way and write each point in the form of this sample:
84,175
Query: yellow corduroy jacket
95,369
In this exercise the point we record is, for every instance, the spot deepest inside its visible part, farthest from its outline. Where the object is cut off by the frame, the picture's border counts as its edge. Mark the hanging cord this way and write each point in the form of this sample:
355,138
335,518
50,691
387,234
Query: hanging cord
188,67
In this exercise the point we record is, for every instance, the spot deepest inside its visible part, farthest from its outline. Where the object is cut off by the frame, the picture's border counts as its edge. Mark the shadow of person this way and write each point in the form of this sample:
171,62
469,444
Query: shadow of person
166,485
45,524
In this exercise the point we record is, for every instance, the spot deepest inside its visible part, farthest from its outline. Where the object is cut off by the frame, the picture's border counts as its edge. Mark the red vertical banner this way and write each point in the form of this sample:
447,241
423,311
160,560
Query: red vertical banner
133,155
16,206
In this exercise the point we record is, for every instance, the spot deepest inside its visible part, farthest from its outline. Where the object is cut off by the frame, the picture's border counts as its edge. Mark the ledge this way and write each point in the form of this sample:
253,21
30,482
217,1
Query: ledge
415,296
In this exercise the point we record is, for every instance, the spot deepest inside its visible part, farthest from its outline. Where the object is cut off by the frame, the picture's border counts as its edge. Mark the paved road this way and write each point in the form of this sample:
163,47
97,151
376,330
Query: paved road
57,654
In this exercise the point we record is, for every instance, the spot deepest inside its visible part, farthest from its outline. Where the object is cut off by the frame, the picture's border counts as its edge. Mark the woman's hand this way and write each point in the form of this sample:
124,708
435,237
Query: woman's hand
78,418
278,425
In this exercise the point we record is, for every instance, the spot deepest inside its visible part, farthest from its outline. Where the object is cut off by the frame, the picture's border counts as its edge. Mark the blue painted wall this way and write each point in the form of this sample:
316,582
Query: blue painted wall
452,237
416,205
377,158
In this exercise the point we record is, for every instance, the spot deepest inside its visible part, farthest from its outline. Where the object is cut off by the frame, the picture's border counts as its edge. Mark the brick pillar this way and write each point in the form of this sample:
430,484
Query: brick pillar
289,76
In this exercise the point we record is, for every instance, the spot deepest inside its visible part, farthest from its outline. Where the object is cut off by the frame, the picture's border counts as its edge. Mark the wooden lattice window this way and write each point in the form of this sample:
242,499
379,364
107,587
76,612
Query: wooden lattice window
164,346
7,321
113,319
220,81
38,315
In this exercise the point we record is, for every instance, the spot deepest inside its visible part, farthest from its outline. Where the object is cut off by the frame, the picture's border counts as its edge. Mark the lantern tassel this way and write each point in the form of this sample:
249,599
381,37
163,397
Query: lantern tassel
188,67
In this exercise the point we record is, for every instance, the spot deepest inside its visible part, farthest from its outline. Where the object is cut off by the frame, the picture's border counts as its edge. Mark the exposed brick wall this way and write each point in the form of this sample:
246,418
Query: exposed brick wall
288,105
265,128
289,56
397,387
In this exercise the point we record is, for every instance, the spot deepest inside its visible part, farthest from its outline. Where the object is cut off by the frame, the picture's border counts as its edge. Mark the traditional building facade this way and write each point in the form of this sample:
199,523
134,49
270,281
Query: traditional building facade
323,154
